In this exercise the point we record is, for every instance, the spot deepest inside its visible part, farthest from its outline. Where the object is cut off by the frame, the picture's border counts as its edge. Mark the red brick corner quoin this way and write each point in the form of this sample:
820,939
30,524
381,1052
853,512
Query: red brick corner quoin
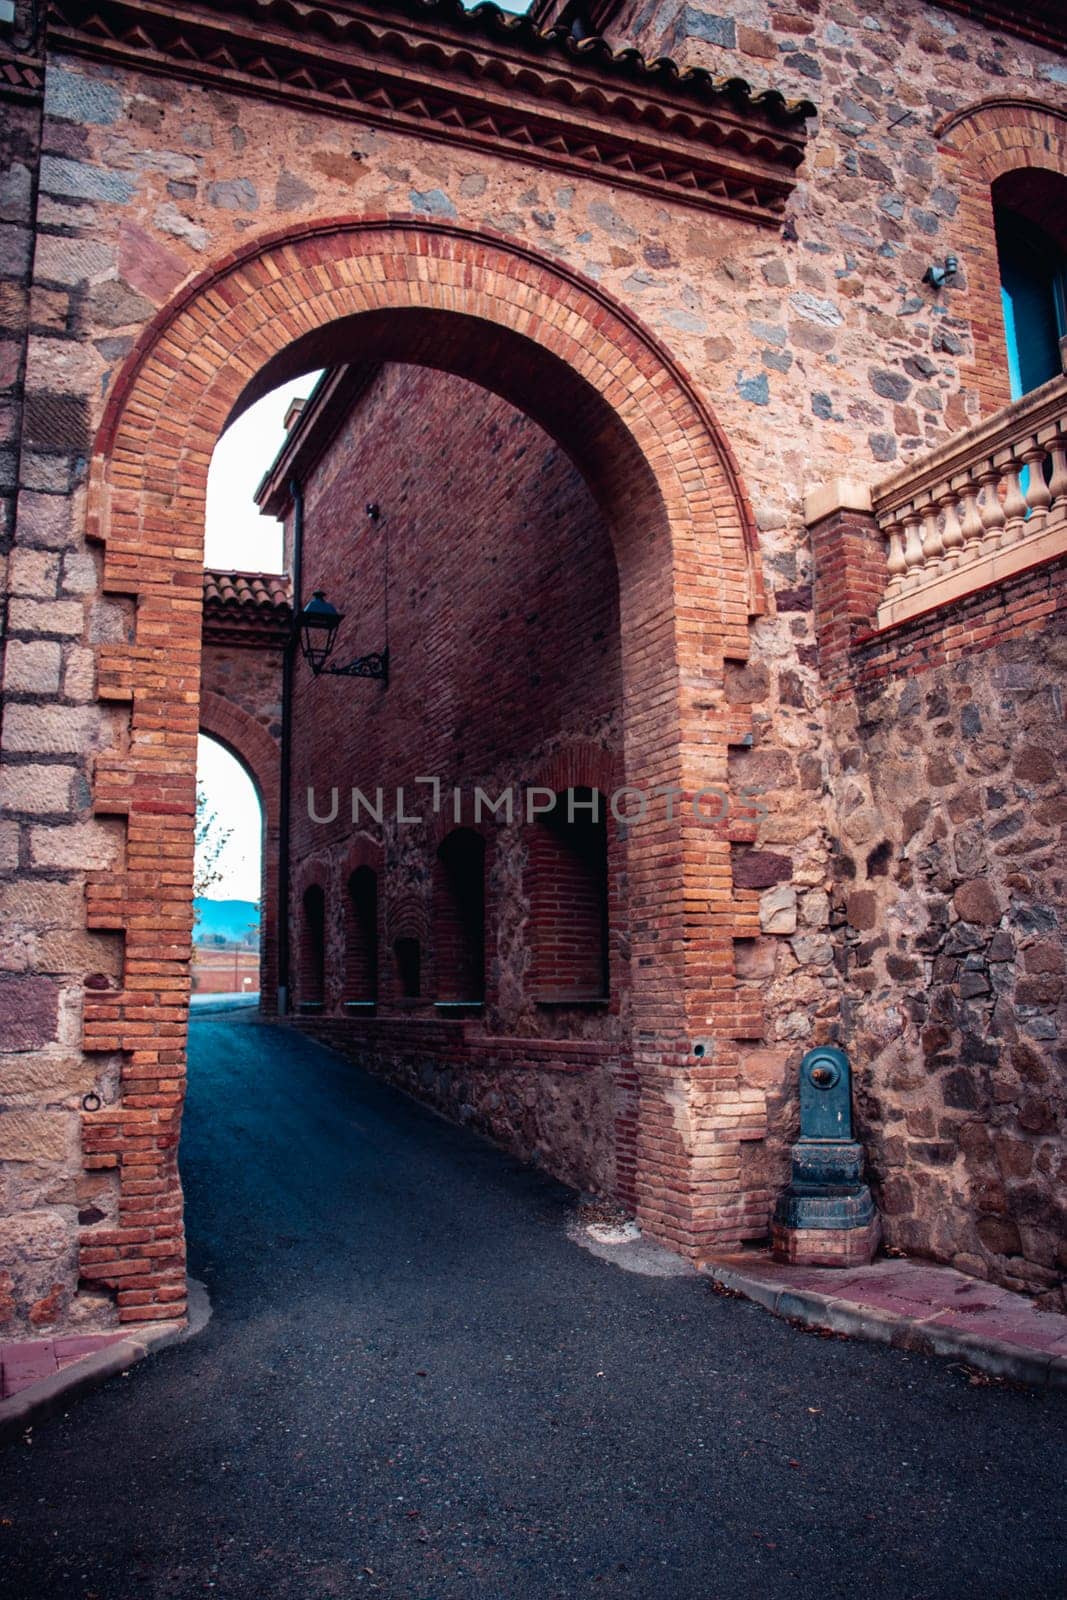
560,350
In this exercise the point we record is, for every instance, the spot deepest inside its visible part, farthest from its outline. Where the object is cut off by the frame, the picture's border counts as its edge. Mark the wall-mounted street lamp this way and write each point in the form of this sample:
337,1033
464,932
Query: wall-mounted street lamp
319,621
318,624
937,276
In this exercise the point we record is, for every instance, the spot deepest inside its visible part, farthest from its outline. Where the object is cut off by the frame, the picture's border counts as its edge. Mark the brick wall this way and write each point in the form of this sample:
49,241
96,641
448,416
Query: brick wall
224,971
250,681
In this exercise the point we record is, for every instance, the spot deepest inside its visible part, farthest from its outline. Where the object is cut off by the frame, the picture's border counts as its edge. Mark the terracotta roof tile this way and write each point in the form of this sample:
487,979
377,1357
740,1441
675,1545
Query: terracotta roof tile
490,20
269,592
247,609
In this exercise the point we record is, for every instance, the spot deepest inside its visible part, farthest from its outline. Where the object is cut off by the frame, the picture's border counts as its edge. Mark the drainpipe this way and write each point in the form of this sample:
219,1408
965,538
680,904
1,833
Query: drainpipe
284,802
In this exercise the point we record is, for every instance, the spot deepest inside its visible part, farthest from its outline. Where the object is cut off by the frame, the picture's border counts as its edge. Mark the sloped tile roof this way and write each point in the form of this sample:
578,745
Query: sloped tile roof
524,29
246,607
269,589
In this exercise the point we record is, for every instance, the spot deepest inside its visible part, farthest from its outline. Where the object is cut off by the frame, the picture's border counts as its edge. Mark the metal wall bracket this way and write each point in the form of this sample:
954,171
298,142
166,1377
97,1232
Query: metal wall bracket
374,665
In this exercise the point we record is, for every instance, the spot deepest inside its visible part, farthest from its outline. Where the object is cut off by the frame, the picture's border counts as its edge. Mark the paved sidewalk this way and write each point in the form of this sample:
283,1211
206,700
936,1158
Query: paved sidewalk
912,1305
39,1377
28,1361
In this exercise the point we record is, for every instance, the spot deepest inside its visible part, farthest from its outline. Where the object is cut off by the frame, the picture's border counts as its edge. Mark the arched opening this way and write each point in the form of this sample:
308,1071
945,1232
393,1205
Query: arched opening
255,748
459,918
311,955
1030,213
361,938
228,874
568,895
1010,156
407,953
556,349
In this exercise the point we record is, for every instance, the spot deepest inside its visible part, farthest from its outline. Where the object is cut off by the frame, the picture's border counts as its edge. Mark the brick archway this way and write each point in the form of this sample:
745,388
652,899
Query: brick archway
260,756
985,142
556,347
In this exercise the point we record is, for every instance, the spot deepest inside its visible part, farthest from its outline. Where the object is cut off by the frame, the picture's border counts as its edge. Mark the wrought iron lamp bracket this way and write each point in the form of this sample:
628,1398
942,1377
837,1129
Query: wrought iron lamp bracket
373,665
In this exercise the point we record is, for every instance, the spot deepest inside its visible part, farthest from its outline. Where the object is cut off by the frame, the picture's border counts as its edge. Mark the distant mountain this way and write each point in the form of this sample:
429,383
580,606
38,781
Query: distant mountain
231,921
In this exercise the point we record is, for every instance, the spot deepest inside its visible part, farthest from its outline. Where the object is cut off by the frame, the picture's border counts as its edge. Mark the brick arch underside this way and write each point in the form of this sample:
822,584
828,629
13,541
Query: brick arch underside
260,756
983,143
556,348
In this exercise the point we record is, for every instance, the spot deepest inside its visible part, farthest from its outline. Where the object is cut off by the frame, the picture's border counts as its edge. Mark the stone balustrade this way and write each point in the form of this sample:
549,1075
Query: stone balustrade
991,502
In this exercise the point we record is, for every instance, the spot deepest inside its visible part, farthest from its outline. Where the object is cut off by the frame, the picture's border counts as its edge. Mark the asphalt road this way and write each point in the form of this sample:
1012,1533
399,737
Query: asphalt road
415,1385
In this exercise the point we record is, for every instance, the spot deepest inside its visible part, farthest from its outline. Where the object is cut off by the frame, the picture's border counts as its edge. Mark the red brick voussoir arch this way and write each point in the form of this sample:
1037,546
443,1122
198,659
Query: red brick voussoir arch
558,348
260,755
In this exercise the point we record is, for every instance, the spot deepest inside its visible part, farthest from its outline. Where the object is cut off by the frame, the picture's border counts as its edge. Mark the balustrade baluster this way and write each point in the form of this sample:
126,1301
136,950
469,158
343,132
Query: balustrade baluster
952,535
913,548
896,565
998,490
990,510
1013,505
933,548
972,525
1032,453
1057,449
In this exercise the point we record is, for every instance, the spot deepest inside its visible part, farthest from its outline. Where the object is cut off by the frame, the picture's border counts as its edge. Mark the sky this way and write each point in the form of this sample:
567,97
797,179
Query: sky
232,796
240,540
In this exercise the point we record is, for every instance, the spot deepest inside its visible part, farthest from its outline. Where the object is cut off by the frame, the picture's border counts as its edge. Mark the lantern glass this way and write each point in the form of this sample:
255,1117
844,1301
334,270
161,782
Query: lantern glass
319,622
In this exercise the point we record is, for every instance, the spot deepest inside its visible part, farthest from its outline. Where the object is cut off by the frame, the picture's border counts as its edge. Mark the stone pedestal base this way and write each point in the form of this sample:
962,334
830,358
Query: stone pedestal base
827,1247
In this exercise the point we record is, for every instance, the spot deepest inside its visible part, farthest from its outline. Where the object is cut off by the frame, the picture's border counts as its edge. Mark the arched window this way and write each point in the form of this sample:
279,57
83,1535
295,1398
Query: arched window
568,889
313,950
407,953
459,918
361,938
1030,212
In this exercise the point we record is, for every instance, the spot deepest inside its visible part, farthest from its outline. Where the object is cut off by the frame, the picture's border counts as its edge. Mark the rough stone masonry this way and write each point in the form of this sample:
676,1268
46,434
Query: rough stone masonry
713,302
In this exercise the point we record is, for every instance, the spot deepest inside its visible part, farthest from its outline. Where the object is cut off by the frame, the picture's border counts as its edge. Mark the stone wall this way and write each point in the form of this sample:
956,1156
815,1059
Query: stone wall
949,763
249,679
892,184
556,1102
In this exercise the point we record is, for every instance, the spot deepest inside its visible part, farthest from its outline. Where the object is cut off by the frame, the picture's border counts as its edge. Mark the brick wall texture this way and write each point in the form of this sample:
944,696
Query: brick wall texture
623,521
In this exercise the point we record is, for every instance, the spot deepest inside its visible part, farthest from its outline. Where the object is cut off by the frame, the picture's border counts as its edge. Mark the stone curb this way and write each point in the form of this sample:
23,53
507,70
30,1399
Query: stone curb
40,1400
918,1334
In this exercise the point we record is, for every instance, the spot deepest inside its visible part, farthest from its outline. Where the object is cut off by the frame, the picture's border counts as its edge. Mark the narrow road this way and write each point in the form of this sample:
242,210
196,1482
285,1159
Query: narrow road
415,1385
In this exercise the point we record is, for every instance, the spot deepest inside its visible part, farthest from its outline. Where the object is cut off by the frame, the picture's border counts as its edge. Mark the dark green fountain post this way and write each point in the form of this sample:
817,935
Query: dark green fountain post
826,1217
